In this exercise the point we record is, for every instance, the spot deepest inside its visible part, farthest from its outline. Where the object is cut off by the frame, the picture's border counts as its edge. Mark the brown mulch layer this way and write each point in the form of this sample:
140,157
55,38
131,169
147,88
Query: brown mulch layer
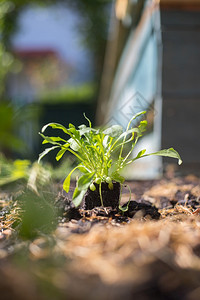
150,252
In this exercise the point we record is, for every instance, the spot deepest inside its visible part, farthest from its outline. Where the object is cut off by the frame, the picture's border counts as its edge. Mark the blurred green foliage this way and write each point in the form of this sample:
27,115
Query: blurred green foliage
6,59
11,120
12,171
8,141
83,93
38,214
33,175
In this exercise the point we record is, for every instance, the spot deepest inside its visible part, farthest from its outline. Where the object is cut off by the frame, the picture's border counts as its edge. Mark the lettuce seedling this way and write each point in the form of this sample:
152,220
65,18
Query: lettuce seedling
94,149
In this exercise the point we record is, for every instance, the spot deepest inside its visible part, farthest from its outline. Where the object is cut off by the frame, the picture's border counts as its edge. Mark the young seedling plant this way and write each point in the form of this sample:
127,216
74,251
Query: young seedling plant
94,150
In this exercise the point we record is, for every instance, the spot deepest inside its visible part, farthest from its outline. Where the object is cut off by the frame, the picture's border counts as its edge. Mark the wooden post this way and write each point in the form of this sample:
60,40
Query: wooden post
180,28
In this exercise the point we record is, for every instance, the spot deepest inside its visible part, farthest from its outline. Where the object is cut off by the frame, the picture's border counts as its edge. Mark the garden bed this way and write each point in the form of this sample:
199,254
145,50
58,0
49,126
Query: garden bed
150,252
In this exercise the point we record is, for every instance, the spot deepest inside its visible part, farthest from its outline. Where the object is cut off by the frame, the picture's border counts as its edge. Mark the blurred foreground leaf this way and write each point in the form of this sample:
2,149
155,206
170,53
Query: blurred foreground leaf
38,214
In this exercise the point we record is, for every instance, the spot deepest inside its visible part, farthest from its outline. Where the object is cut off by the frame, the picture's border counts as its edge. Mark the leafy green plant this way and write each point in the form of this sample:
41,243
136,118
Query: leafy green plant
94,149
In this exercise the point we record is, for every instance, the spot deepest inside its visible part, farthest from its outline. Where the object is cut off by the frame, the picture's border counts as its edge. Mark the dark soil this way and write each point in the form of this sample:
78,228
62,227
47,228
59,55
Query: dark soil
91,208
109,197
146,209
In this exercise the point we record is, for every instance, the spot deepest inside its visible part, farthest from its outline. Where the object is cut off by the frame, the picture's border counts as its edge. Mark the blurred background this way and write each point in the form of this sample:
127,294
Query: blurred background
109,59
51,62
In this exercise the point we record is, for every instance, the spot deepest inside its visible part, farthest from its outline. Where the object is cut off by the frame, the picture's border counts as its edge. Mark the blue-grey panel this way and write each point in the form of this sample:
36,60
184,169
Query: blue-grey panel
140,88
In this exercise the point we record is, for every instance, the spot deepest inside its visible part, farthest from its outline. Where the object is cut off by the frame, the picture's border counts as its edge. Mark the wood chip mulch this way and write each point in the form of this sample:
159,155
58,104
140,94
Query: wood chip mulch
150,252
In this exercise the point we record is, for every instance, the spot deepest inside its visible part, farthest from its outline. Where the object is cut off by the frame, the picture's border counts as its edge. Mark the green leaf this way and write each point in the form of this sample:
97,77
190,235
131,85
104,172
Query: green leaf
66,183
142,127
61,153
90,124
124,209
117,177
76,192
82,126
52,140
85,180
114,131
73,131
123,135
135,116
78,196
85,130
74,145
167,152
127,132
55,126
106,141
81,187
83,169
47,150
141,153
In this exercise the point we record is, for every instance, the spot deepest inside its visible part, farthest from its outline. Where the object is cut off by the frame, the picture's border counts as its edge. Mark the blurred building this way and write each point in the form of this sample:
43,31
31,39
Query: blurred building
152,63
41,70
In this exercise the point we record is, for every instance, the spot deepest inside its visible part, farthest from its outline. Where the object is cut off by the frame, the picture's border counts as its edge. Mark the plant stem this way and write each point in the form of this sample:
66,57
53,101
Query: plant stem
100,194
127,156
